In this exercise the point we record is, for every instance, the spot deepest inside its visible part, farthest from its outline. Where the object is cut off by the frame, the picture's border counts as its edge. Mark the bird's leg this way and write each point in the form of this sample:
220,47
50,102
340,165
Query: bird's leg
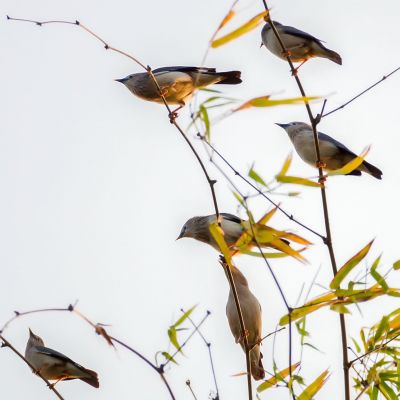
320,164
294,72
173,114
51,385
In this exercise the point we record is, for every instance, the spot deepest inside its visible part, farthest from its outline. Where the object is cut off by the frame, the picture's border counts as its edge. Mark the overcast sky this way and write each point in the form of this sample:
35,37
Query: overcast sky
96,184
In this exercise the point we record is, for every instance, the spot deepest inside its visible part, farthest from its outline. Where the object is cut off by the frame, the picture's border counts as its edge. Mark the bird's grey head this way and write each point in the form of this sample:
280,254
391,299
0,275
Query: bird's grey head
34,340
128,80
294,127
196,228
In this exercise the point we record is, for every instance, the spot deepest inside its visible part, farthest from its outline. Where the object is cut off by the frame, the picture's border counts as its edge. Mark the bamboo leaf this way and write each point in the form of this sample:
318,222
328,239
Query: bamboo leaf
184,317
174,339
300,312
396,265
382,328
295,180
218,235
278,377
286,165
204,117
226,19
256,177
263,254
247,27
387,391
169,357
350,264
352,165
340,308
314,387
267,216
358,349
265,101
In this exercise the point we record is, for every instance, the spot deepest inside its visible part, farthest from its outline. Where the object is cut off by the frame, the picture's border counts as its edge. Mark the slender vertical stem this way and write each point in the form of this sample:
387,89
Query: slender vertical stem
314,122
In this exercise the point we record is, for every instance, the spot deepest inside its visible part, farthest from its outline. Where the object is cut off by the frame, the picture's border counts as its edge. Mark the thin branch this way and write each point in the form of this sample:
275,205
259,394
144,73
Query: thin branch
208,344
237,173
361,93
6,343
172,118
319,164
190,388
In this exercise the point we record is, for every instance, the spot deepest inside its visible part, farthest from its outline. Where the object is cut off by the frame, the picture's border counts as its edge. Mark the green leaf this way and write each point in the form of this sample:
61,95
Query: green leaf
286,164
265,101
278,377
247,27
350,264
396,265
352,165
340,308
174,339
184,317
387,391
314,387
169,357
358,349
256,177
382,328
204,117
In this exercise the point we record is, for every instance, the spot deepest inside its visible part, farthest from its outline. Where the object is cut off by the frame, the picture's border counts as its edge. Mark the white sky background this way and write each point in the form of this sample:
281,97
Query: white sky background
96,185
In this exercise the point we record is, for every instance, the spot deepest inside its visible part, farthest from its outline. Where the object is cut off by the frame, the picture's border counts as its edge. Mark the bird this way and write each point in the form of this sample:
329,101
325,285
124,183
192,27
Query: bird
252,318
177,83
53,365
334,155
301,46
233,227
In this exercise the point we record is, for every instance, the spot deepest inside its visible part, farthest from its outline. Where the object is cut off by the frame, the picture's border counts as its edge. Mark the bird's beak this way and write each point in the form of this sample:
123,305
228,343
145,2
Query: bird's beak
284,126
30,332
122,80
261,45
179,237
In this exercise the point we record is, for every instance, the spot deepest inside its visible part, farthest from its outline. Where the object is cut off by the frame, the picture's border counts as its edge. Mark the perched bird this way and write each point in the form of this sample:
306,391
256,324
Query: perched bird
333,153
177,84
251,312
300,45
53,365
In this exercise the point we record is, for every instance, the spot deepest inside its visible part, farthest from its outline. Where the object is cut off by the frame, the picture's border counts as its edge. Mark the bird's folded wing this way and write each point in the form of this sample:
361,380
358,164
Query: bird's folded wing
231,217
290,30
184,69
53,353
341,146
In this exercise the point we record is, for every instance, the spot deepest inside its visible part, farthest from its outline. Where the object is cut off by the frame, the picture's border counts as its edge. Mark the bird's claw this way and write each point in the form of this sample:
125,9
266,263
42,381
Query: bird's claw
172,116
242,336
320,164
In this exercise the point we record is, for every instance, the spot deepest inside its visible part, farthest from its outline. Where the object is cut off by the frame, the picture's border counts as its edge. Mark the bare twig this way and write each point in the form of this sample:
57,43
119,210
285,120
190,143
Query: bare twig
361,93
208,344
6,343
328,240
190,388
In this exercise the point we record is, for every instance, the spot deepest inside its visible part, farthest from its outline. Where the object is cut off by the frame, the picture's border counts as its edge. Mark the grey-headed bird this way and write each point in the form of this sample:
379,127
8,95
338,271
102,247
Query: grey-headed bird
300,45
251,312
177,84
334,154
55,366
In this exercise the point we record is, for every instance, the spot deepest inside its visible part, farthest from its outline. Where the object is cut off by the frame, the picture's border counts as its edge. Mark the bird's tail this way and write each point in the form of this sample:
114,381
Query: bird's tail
372,170
331,55
229,77
91,378
257,368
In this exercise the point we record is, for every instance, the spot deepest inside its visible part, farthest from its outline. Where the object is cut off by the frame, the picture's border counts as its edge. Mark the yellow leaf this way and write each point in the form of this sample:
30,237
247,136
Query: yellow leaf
226,19
295,238
247,27
267,216
295,180
280,376
218,235
352,165
314,387
265,101
257,254
346,269
286,164
285,248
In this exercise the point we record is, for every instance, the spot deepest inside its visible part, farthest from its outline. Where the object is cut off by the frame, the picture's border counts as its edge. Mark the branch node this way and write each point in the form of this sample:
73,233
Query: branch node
8,17
17,313
106,46
77,22
208,312
213,181
38,23
70,307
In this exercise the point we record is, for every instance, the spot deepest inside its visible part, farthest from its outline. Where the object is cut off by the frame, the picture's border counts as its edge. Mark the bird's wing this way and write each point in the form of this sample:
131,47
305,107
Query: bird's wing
341,146
184,69
53,353
231,217
290,30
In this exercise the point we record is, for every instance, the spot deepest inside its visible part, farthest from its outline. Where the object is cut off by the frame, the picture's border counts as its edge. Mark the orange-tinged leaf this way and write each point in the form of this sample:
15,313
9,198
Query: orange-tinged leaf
226,19
278,377
295,238
296,180
350,264
314,387
286,164
266,101
263,254
298,313
352,165
239,374
247,27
